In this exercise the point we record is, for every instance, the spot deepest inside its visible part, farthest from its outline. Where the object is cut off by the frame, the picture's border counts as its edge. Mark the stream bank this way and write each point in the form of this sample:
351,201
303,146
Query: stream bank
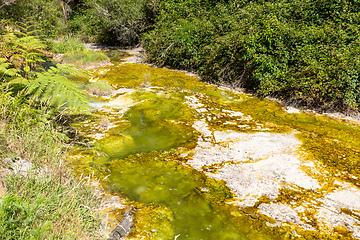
266,157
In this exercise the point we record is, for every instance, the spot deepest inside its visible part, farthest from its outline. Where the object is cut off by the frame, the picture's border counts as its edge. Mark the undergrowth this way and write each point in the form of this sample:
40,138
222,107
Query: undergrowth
302,51
44,201
74,52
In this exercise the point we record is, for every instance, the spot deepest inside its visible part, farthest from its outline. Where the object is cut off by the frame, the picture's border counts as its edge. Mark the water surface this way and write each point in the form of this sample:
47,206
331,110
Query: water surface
141,137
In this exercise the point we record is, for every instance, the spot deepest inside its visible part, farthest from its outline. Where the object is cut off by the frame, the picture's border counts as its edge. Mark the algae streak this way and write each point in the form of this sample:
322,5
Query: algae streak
144,135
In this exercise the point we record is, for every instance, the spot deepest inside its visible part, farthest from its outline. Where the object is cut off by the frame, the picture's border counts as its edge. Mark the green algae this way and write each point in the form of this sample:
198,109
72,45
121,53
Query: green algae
341,158
162,105
159,120
197,214
154,222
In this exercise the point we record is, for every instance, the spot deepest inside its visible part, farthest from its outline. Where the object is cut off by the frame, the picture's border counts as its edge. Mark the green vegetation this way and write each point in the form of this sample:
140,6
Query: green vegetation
303,51
74,52
22,64
47,14
99,88
43,201
114,22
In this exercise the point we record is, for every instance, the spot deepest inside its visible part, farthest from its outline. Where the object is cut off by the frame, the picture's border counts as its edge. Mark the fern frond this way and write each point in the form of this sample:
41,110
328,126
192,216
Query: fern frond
69,70
6,71
56,89
19,80
4,67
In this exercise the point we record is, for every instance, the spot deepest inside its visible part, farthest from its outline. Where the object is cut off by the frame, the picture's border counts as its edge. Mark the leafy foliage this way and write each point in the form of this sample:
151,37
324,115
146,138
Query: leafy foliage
24,52
21,66
303,51
6,71
47,14
116,22
52,87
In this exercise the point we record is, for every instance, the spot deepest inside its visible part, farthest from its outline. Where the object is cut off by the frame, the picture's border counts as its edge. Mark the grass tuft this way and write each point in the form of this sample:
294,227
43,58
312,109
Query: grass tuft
99,88
74,52
44,201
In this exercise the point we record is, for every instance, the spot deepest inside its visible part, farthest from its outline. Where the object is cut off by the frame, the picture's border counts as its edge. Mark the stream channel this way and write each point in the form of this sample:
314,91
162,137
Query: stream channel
198,161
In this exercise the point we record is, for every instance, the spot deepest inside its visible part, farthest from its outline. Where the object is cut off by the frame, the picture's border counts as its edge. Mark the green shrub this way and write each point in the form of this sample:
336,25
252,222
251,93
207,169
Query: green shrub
302,51
115,22
46,14
75,53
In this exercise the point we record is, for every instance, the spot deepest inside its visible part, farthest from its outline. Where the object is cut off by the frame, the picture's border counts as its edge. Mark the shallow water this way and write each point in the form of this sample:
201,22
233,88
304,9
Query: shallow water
143,136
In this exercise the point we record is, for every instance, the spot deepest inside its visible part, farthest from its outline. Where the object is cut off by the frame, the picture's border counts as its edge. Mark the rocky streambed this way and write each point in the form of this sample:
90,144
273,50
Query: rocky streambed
196,161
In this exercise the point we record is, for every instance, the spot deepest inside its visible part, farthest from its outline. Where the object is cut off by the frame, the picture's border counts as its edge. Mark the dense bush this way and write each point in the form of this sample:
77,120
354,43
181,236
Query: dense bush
114,22
304,51
47,14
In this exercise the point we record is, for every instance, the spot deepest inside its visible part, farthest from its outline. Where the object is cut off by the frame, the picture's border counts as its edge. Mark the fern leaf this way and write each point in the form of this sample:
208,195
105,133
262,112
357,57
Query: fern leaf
33,86
56,89
6,71
19,80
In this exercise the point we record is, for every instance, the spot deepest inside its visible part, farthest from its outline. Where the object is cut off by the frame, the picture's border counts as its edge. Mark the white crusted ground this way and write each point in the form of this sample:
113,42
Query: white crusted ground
263,163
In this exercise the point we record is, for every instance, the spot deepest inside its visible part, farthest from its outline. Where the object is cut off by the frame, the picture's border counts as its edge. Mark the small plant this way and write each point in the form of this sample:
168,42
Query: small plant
46,202
74,52
99,88
67,45
84,58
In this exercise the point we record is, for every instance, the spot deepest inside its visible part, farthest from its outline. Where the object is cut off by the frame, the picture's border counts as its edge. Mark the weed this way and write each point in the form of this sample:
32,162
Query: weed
46,202
76,53
99,88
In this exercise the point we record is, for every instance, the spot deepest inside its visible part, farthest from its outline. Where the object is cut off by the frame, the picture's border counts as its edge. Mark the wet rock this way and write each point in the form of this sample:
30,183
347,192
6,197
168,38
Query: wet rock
261,164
